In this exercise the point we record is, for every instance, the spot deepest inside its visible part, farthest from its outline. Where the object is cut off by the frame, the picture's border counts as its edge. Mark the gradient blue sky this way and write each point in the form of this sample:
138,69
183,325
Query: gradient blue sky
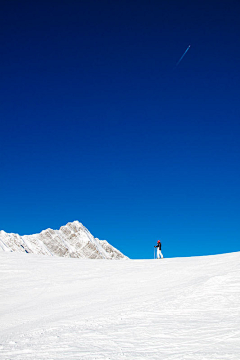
97,125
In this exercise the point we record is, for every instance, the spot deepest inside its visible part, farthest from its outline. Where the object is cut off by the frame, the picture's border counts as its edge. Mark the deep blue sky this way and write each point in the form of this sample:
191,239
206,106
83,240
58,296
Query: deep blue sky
97,125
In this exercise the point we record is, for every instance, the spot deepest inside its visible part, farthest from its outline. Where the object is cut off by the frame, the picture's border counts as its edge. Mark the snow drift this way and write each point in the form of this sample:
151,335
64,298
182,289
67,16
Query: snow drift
55,308
72,240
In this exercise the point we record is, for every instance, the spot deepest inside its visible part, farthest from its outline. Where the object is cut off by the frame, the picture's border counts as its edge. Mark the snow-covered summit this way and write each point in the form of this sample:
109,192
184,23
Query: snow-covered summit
72,240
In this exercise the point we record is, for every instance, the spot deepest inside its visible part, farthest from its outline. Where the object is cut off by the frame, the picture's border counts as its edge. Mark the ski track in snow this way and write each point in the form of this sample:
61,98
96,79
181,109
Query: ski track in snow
171,309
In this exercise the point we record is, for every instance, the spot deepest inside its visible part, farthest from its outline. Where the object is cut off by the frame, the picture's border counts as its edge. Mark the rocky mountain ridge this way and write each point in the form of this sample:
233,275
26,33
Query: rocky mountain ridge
72,240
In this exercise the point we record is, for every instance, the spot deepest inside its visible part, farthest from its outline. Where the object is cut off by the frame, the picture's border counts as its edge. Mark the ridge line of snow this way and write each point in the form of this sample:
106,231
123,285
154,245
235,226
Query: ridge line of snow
71,240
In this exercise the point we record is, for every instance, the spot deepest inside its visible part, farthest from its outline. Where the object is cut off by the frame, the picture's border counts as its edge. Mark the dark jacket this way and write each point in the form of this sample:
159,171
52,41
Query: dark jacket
159,245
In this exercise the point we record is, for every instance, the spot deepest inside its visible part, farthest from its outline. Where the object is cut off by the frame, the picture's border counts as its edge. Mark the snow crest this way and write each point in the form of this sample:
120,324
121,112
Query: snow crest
72,240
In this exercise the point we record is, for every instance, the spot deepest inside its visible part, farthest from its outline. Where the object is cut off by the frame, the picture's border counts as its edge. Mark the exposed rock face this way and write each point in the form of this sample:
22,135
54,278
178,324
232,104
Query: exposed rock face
71,240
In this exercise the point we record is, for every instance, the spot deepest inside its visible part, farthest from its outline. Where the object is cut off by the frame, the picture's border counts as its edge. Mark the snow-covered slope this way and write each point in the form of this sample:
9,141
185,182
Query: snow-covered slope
71,240
172,309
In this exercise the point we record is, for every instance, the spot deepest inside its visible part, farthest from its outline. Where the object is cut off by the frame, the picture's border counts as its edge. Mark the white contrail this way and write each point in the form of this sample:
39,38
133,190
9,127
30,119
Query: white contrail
183,55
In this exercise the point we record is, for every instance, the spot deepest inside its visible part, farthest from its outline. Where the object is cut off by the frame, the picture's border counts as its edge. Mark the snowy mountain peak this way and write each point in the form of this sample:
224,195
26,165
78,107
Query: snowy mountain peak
71,240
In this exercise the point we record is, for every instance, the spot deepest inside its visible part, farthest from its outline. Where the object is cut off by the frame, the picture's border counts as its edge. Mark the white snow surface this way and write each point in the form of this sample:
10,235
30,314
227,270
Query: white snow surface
72,240
54,308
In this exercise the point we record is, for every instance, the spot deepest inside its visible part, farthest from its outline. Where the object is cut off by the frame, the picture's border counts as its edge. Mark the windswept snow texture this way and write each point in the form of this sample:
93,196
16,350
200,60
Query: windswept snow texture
72,240
171,309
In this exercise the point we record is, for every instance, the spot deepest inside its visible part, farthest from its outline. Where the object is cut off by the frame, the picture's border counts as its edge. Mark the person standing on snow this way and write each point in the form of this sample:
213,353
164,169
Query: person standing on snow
159,248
